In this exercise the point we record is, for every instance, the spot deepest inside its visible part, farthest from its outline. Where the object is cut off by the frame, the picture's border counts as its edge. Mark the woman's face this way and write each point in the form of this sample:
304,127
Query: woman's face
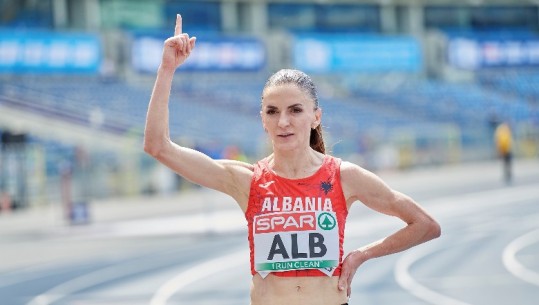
288,115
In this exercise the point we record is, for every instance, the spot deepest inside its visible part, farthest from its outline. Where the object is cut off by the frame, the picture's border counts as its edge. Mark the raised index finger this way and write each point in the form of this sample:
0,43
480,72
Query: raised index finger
178,27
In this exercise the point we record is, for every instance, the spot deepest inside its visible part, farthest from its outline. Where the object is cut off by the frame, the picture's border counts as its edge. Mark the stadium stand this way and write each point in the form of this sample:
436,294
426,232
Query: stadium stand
463,104
123,108
416,113
521,83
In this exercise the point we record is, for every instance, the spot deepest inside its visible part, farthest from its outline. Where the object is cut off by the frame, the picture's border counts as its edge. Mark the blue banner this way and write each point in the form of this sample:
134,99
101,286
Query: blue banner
476,53
356,53
47,52
210,54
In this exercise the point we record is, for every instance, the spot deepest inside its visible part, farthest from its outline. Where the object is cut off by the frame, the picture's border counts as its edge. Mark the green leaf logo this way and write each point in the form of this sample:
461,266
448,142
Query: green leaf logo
326,221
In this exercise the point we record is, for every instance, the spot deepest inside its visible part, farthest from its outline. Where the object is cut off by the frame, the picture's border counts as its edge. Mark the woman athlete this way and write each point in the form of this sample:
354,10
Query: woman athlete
296,199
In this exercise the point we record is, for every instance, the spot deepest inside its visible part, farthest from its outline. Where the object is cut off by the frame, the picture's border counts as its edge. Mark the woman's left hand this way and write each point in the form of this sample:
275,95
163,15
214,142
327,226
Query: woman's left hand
349,267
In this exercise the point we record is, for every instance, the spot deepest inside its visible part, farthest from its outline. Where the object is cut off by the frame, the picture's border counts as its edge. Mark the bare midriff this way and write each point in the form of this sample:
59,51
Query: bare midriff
312,290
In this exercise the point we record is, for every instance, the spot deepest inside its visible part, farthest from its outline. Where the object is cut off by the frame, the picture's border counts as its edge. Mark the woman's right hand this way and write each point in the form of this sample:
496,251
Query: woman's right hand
177,48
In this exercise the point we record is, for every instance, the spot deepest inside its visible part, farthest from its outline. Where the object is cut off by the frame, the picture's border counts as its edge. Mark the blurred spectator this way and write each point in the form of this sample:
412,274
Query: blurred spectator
493,121
504,141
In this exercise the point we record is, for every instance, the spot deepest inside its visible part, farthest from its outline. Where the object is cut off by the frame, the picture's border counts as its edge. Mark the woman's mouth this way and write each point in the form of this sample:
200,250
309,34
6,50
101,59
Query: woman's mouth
285,135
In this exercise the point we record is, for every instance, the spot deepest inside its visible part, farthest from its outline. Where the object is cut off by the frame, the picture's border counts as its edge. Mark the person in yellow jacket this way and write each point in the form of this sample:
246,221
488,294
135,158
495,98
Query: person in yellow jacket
504,141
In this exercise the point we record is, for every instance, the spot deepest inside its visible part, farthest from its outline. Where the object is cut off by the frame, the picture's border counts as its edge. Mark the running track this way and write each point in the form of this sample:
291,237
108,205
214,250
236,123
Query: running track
488,254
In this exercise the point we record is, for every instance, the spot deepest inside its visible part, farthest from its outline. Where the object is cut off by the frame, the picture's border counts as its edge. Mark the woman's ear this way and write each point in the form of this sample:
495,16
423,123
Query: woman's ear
318,117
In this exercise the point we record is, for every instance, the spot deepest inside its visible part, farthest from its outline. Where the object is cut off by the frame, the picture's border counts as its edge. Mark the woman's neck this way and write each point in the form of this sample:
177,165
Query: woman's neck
296,165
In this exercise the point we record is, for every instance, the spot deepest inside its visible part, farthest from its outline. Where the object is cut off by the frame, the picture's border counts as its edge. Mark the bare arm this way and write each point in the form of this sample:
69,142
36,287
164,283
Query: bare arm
230,177
360,184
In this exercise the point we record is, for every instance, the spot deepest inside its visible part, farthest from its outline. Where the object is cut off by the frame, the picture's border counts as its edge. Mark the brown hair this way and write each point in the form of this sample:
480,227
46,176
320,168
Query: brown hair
305,83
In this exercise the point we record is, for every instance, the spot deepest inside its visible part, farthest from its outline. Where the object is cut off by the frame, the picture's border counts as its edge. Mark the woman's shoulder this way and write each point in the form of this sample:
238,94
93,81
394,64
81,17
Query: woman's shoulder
353,171
347,166
237,164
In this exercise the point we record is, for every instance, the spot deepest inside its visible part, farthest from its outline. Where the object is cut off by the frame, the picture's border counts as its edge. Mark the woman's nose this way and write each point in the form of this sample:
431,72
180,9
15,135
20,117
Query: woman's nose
283,120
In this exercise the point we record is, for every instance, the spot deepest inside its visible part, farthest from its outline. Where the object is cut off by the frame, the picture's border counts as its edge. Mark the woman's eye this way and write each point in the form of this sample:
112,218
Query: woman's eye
271,111
297,110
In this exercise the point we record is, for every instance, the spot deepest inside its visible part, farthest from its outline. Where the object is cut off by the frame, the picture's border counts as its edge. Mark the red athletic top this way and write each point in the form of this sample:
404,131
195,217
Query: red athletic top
271,195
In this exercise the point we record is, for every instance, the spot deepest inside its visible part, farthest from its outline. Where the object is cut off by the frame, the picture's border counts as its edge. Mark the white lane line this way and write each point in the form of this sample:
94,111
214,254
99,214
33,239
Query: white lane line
513,265
443,206
448,206
196,273
406,280
29,274
227,221
89,280
453,206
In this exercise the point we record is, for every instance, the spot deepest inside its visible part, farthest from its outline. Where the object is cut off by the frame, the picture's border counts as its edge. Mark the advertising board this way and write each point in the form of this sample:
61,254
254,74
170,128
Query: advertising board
356,53
212,54
477,53
48,52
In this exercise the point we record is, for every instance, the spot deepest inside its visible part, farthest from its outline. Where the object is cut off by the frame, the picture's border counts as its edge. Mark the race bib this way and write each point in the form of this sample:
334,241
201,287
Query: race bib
296,240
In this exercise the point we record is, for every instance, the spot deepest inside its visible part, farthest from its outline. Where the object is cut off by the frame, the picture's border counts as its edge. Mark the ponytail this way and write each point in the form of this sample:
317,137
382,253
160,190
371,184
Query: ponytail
317,141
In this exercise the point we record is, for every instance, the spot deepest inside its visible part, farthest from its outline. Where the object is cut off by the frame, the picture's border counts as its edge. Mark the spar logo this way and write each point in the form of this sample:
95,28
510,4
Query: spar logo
286,222
326,221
